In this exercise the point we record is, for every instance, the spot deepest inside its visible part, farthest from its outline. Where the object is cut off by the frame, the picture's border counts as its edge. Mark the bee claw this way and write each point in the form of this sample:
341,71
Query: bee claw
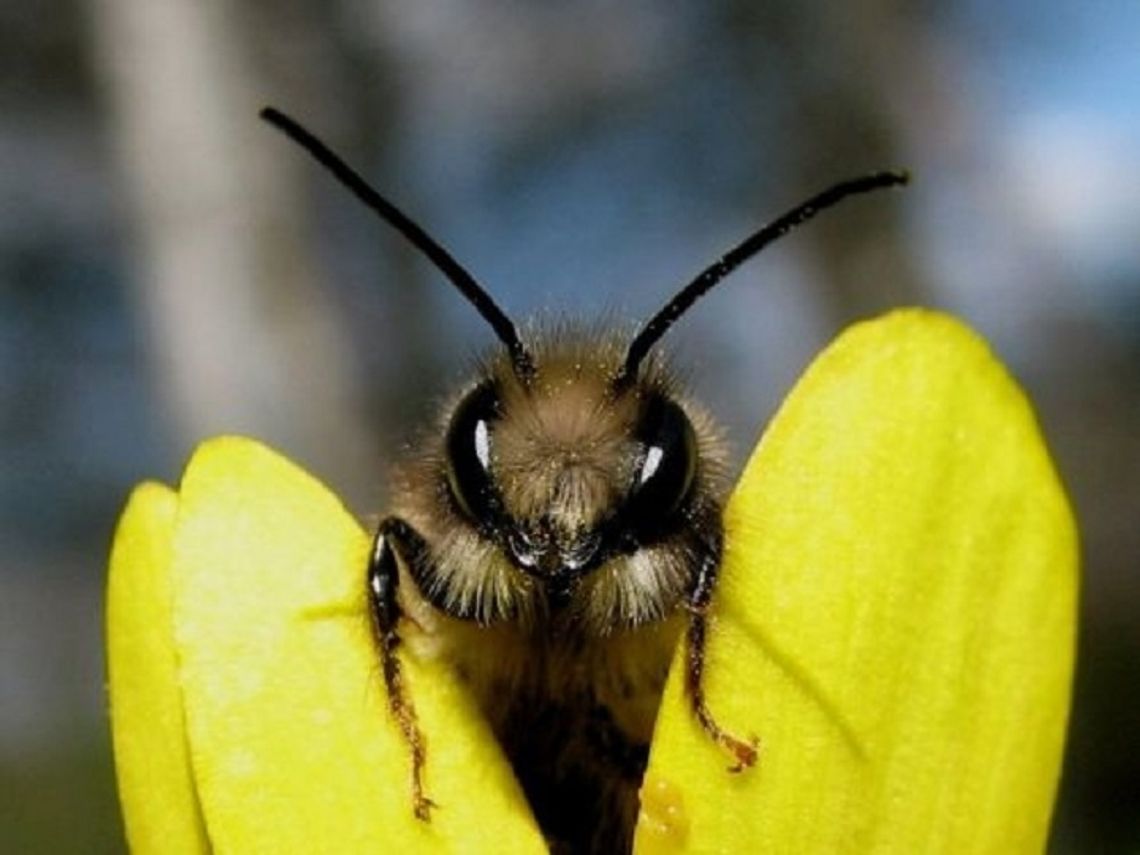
746,753
423,807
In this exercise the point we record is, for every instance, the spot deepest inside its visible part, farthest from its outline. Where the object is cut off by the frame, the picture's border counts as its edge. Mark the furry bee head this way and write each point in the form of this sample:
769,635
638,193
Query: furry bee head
566,500
571,487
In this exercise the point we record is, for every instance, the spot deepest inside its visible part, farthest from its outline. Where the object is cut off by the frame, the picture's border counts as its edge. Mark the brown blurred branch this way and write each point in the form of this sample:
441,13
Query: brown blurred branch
243,337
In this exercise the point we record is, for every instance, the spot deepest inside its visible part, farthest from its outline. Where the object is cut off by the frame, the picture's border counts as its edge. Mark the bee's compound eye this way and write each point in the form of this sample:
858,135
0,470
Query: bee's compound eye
469,452
667,468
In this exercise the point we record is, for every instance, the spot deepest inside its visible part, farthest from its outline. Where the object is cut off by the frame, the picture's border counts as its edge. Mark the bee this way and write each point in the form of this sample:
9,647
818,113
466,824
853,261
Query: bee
555,539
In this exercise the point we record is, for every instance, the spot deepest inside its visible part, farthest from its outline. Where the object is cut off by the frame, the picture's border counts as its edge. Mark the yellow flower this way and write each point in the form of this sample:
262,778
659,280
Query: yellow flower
895,620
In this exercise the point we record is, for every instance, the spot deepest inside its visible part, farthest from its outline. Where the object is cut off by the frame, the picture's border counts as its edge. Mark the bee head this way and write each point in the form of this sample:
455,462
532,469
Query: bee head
567,492
569,472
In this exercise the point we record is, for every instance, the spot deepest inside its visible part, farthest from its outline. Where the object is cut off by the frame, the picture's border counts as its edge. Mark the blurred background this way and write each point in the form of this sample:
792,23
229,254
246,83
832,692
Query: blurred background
170,268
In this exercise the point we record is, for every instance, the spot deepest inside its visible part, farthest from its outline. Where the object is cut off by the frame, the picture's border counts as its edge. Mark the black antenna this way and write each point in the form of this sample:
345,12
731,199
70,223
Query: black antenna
502,325
659,324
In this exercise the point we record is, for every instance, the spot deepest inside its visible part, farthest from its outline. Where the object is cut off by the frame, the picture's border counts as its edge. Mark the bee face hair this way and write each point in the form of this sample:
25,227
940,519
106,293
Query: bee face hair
565,501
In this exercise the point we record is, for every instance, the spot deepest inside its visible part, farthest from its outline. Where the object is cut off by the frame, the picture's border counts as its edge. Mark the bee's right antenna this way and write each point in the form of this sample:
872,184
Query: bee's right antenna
478,297
659,324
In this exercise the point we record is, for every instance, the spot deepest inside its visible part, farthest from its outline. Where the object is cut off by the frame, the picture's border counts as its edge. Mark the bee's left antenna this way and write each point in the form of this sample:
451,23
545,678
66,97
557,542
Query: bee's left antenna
659,324
443,260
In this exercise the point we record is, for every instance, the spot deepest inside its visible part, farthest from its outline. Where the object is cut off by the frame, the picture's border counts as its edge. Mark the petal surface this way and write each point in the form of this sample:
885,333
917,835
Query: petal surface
152,760
293,746
895,617
257,693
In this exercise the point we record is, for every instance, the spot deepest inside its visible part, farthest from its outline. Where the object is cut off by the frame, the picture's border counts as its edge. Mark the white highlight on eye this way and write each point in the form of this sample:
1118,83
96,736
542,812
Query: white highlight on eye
652,462
483,444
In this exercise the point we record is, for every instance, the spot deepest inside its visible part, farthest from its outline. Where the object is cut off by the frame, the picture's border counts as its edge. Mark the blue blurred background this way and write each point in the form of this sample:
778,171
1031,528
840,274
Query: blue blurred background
171,269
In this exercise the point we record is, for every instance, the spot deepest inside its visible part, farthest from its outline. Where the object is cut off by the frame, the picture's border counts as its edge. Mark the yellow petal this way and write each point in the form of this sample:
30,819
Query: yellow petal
895,618
156,786
292,745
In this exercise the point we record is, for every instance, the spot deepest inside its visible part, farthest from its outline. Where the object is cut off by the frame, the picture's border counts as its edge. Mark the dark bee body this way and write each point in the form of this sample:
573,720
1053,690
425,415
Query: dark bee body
567,663
574,717
554,538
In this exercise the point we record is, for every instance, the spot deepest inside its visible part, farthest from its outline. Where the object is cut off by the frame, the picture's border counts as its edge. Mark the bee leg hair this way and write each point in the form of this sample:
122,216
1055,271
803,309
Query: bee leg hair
743,752
393,536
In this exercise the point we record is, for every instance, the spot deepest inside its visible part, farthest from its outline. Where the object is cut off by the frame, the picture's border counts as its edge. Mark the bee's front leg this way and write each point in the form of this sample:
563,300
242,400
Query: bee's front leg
744,752
393,536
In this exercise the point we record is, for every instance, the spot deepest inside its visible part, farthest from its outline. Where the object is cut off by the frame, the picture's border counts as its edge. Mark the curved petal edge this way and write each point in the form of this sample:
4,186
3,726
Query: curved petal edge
895,617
